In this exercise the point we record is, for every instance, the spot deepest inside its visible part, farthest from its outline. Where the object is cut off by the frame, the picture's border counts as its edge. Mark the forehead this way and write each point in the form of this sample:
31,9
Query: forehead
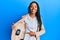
33,4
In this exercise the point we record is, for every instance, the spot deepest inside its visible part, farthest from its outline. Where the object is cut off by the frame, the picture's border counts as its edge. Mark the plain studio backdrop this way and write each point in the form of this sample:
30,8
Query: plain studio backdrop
12,10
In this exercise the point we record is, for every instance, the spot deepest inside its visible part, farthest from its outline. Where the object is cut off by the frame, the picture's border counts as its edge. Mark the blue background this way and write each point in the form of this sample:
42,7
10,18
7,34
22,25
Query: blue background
12,10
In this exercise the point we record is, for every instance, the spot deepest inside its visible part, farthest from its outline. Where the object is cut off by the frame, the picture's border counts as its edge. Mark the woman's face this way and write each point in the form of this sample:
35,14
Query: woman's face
33,8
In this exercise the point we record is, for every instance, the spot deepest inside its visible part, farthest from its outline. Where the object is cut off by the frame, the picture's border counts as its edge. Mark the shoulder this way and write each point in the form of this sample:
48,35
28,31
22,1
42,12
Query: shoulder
24,16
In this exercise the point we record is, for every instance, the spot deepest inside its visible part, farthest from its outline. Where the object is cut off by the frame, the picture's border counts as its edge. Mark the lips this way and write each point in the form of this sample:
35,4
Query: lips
33,10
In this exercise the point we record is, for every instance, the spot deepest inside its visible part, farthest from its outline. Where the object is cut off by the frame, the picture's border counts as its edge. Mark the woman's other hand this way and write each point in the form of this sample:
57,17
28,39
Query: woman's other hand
32,33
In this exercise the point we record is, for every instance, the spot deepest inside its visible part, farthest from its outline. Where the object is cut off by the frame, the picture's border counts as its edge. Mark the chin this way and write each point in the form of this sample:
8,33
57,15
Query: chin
33,12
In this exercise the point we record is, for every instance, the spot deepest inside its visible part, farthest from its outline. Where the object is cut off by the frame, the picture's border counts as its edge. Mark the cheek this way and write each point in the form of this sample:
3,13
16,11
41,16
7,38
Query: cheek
36,9
31,9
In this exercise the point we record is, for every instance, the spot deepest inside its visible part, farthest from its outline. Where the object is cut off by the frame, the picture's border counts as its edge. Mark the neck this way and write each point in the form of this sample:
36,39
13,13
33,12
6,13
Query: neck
32,15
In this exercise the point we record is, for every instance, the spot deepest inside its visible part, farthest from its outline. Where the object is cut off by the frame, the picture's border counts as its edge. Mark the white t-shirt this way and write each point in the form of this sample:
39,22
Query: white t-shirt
31,25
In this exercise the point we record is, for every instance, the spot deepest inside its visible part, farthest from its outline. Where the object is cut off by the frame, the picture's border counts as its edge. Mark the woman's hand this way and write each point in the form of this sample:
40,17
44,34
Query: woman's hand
32,33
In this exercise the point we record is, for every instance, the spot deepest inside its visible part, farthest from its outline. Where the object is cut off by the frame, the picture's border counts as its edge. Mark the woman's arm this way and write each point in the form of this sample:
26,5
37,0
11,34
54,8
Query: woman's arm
41,32
37,34
18,26
17,23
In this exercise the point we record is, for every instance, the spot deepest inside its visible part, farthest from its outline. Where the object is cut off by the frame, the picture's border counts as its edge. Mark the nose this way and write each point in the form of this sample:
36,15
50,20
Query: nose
33,8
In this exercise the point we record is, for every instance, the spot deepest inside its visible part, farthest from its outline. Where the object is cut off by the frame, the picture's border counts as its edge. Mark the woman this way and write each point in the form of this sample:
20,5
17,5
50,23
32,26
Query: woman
33,24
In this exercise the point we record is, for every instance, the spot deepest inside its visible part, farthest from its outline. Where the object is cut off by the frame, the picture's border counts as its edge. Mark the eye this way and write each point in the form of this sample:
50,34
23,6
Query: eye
31,6
35,6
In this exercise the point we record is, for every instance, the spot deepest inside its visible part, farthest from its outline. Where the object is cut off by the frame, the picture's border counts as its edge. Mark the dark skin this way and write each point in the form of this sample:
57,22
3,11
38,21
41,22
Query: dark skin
33,10
32,33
